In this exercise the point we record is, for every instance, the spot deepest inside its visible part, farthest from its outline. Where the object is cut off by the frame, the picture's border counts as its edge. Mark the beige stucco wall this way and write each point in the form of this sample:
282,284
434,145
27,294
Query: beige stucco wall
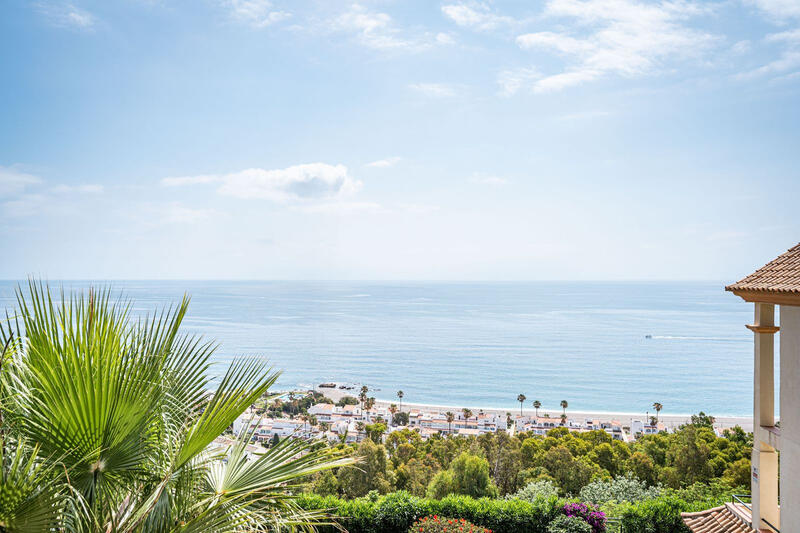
790,418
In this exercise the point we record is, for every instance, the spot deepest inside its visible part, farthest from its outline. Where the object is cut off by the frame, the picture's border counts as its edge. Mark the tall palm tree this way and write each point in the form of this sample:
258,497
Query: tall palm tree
450,417
400,395
536,405
467,414
362,396
107,423
658,407
393,410
521,399
564,405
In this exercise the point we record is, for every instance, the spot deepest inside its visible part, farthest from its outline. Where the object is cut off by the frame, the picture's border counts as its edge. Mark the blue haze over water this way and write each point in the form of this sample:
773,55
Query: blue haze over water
481,344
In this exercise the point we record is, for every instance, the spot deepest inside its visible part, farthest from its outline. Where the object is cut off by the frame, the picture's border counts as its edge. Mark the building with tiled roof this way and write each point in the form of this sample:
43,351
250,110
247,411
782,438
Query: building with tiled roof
776,283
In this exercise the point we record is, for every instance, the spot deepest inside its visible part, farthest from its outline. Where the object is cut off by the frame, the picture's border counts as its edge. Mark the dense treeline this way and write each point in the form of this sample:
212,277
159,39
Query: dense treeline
497,465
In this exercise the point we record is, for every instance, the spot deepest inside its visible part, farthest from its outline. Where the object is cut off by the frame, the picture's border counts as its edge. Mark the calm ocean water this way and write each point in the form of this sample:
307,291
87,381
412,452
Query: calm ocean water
481,344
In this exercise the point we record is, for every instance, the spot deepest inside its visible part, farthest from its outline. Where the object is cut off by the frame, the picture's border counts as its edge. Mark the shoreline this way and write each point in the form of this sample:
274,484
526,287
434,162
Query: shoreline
668,419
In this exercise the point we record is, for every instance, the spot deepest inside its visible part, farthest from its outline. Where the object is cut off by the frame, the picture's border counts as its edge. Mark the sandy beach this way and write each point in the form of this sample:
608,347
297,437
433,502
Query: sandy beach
669,420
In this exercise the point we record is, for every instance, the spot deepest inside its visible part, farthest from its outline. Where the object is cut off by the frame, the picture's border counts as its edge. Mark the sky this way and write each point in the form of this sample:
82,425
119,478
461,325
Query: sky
415,139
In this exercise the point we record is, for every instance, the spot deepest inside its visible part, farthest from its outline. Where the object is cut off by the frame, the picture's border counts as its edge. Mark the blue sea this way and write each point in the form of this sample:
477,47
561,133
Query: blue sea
481,344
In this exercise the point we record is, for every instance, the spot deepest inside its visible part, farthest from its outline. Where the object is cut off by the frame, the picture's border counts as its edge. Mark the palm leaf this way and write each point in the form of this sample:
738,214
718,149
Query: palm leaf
28,499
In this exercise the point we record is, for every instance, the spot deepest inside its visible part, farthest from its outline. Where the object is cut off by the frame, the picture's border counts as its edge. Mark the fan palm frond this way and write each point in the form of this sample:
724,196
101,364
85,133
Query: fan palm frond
124,405
28,502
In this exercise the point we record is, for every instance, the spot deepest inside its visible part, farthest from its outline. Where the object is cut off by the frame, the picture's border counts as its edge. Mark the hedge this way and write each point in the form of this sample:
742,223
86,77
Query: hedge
395,512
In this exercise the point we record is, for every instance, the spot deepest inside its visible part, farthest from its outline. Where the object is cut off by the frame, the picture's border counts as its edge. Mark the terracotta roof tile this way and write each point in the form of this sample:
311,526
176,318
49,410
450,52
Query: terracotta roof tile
716,520
781,275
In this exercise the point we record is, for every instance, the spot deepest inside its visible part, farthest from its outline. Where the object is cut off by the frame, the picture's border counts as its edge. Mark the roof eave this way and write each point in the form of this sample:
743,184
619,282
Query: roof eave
767,296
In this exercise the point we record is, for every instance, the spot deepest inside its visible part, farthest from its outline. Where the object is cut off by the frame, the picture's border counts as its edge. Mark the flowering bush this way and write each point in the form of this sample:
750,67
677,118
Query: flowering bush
440,524
589,513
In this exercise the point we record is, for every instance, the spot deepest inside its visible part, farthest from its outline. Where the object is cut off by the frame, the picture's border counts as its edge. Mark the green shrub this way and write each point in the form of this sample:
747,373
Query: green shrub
662,515
503,516
468,474
440,524
347,400
704,495
569,524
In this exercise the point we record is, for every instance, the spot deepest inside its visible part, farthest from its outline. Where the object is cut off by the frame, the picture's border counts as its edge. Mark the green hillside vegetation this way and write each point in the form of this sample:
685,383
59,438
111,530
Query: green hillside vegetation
521,483
496,464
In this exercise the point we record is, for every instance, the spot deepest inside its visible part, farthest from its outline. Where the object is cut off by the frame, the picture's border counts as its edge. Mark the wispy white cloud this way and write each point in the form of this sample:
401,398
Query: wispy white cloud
787,60
791,37
511,81
383,163
556,41
373,29
445,38
627,38
25,205
26,194
255,13
315,188
778,10
435,90
379,31
312,181
787,77
66,15
741,47
13,181
476,15
557,82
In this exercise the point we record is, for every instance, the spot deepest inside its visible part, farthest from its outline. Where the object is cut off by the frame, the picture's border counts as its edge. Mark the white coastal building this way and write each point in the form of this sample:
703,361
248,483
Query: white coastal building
265,428
639,427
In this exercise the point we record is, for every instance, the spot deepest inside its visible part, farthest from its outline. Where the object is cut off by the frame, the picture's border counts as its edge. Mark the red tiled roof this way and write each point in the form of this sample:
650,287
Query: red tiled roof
781,275
716,520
